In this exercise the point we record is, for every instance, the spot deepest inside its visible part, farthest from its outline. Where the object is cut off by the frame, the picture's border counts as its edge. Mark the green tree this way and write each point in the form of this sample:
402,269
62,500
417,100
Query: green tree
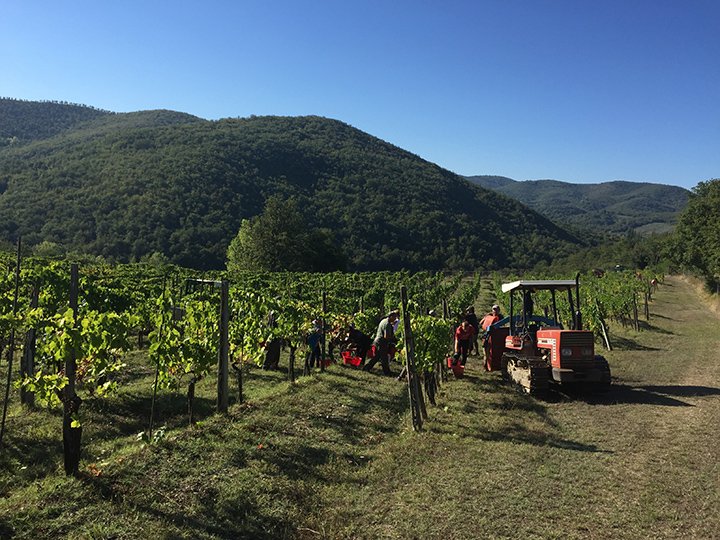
49,250
279,239
698,230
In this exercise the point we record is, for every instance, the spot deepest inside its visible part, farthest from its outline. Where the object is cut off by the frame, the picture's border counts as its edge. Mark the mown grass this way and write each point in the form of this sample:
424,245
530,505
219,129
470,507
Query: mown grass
333,455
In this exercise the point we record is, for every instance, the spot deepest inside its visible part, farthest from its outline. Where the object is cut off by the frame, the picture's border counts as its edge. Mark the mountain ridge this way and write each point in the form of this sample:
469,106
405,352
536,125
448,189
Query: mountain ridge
616,206
126,185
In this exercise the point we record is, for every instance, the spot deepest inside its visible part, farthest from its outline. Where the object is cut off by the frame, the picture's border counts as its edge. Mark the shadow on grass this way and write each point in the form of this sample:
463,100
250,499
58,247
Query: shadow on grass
6,531
297,442
368,411
40,455
682,391
620,394
506,400
627,344
515,433
301,463
235,516
128,414
644,325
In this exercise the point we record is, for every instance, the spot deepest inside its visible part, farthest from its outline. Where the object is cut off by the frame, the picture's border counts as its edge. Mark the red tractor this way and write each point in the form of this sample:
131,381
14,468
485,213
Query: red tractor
535,351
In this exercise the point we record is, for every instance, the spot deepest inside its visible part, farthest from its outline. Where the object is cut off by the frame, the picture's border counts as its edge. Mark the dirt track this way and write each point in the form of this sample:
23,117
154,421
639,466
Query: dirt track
660,422
639,462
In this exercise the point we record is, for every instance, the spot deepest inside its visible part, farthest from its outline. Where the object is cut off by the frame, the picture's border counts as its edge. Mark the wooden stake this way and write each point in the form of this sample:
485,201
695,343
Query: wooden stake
27,367
416,404
11,345
71,402
322,331
224,349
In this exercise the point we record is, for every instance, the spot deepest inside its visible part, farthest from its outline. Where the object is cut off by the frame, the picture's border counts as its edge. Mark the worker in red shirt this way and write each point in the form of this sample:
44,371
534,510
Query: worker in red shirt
463,340
491,318
487,321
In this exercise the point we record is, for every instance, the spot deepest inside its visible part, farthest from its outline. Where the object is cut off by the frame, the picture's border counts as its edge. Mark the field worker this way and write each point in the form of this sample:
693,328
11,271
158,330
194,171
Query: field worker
464,336
473,320
491,318
360,341
384,337
272,345
487,321
396,324
314,341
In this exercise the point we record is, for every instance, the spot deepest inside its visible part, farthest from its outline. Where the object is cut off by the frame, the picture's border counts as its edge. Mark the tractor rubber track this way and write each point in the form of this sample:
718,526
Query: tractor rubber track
531,374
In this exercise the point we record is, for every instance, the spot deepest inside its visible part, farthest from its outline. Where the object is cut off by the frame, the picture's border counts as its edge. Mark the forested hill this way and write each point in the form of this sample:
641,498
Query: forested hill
25,121
128,185
607,207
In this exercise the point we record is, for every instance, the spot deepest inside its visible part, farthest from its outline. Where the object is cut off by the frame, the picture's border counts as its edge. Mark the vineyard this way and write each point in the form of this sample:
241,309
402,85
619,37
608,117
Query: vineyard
72,327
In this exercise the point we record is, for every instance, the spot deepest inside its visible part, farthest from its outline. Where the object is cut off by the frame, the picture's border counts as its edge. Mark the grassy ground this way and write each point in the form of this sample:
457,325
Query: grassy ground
333,456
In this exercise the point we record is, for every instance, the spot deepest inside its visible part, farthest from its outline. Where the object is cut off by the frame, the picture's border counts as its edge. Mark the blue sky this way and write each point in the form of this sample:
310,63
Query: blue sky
574,90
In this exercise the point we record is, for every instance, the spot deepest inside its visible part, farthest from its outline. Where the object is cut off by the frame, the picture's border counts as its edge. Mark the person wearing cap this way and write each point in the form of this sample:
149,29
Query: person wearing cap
473,320
384,337
491,318
487,321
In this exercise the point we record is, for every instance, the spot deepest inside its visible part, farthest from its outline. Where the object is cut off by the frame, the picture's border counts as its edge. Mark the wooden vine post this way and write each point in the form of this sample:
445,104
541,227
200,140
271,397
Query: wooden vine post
291,362
636,319
416,404
605,336
323,331
27,365
224,348
446,317
11,345
157,367
71,401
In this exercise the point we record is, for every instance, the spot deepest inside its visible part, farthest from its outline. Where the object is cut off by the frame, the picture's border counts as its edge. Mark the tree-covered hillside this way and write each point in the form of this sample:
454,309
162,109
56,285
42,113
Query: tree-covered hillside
128,185
607,207
697,238
24,121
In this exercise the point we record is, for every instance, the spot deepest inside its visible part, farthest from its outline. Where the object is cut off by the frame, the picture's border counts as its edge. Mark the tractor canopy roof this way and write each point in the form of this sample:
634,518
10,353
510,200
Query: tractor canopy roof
539,284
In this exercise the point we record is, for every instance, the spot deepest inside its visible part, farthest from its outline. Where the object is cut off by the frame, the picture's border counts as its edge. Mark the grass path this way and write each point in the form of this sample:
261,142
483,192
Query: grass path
333,456
639,462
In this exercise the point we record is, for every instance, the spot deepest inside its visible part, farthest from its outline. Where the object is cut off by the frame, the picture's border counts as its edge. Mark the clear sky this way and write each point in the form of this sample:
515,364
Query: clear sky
573,90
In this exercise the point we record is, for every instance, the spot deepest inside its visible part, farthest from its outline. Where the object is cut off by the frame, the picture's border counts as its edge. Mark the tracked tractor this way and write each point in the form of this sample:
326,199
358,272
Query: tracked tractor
535,351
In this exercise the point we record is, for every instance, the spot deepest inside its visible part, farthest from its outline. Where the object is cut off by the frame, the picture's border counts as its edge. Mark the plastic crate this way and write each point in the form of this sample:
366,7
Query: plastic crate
457,369
351,360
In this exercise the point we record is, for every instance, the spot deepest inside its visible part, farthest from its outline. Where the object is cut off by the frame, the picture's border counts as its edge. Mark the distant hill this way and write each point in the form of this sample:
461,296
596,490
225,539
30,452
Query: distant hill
128,185
607,207
25,121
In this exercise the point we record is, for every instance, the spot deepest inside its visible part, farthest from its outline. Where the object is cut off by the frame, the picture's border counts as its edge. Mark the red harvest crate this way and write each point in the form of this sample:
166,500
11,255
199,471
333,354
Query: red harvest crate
458,369
350,360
